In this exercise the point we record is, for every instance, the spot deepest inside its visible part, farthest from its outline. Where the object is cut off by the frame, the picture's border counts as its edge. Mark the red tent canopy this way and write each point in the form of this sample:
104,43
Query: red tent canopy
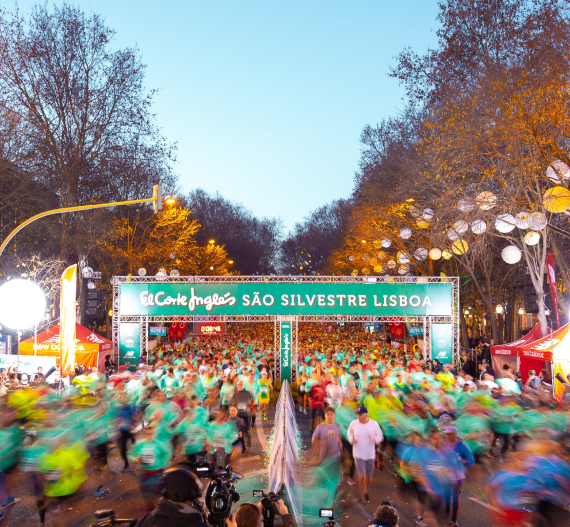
512,349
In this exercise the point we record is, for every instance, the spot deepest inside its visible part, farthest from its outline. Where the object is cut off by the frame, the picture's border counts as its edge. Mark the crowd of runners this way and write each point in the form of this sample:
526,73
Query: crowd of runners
377,409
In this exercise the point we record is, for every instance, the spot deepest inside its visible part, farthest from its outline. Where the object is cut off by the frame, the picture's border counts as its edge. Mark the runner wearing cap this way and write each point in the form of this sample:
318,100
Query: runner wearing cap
364,434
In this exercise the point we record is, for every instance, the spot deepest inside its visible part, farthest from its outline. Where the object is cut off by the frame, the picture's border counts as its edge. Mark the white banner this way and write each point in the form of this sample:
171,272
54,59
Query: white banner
26,363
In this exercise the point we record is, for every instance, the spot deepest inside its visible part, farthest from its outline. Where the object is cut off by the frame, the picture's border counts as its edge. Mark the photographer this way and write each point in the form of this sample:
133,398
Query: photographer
249,515
385,516
178,507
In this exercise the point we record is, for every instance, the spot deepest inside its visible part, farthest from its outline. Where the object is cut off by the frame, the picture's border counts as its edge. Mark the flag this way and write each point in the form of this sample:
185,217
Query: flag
67,320
396,330
551,271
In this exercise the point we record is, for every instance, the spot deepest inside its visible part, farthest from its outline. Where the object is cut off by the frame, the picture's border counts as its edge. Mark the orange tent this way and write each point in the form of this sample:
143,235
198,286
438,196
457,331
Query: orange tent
90,348
554,348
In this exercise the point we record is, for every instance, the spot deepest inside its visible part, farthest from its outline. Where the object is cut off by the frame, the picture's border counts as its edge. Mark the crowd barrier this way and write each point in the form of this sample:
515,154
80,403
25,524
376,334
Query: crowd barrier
284,460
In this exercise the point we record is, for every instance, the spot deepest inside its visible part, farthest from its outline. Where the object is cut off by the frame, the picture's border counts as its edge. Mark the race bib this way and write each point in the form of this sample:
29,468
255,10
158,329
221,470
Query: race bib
147,457
264,390
241,407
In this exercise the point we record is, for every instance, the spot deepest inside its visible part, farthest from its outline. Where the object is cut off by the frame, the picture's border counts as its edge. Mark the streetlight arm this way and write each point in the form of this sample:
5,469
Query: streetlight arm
72,209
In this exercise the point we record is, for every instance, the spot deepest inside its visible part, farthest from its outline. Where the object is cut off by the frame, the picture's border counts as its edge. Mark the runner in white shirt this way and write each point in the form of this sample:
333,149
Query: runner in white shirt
364,434
335,393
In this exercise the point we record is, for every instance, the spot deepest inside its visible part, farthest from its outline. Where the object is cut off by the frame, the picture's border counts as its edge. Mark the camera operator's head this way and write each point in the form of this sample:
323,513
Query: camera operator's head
180,484
385,516
248,515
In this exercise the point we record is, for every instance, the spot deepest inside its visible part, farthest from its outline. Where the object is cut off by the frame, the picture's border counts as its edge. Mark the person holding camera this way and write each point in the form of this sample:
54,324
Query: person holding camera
250,515
178,506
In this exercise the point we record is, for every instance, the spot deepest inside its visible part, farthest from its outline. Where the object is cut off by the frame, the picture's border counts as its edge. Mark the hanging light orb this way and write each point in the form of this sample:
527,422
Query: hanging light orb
382,255
378,268
537,221
511,254
505,223
460,227
416,211
478,227
446,255
427,214
486,200
422,224
405,233
403,269
465,205
421,254
460,247
391,264
386,243
435,254
366,270
175,272
351,258
559,172
532,238
365,257
91,285
377,244
556,199
172,256
402,257
141,271
373,261
161,275
354,272
452,234
521,220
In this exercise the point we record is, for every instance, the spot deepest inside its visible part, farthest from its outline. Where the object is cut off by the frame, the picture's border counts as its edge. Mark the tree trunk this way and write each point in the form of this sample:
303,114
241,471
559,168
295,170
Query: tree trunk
464,329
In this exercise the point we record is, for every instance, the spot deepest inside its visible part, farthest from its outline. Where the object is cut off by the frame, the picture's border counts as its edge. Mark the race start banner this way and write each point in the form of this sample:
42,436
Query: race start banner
286,340
442,342
129,344
292,298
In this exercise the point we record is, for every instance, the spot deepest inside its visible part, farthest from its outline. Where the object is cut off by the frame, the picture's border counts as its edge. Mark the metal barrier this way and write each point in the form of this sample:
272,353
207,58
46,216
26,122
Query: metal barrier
284,458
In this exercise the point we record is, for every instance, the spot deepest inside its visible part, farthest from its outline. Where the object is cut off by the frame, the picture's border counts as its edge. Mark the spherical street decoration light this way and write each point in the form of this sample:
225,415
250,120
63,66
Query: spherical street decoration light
87,272
452,234
351,258
354,272
377,244
460,227
435,254
378,268
161,275
175,272
511,254
141,271
521,220
427,214
537,221
22,304
465,205
460,247
391,264
556,199
505,223
422,224
403,269
382,255
373,261
478,227
405,233
486,200
446,255
532,238
421,254
403,258
386,243
416,211
559,172
366,270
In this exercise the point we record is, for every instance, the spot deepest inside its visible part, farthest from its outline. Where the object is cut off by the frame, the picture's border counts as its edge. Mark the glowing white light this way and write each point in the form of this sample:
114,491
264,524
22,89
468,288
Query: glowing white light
22,304
511,254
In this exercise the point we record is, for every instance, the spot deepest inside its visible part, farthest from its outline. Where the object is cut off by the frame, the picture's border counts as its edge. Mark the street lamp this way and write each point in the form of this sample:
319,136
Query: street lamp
547,312
231,262
22,304
110,312
212,242
499,309
170,201
521,311
466,311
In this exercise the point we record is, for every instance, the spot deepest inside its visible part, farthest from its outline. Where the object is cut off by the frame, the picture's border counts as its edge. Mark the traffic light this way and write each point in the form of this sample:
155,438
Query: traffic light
157,194
95,304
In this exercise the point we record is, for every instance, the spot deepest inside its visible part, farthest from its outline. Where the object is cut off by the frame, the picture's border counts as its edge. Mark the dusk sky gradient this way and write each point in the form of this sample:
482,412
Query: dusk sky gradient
267,99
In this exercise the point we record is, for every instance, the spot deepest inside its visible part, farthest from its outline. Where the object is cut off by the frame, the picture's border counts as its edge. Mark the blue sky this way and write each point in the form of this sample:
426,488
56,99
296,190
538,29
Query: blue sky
267,99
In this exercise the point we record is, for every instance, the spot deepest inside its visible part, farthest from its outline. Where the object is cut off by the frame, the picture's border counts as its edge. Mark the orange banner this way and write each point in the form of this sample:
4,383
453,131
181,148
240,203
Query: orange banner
67,320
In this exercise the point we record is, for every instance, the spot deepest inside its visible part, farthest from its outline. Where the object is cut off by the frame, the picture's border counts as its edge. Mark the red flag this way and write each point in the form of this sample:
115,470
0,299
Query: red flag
550,269
396,330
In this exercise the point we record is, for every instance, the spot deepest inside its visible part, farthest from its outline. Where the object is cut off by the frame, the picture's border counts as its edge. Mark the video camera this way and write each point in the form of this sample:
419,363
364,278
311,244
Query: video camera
327,513
269,509
107,518
221,493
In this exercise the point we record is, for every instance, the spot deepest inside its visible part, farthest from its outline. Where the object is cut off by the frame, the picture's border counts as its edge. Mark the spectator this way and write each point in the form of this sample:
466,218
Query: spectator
385,516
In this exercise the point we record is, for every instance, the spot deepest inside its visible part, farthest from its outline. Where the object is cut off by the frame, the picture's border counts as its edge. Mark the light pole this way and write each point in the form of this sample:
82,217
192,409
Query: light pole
156,200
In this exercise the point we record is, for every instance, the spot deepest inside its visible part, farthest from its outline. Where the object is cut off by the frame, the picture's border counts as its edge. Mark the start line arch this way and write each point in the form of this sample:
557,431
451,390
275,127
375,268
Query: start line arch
287,301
